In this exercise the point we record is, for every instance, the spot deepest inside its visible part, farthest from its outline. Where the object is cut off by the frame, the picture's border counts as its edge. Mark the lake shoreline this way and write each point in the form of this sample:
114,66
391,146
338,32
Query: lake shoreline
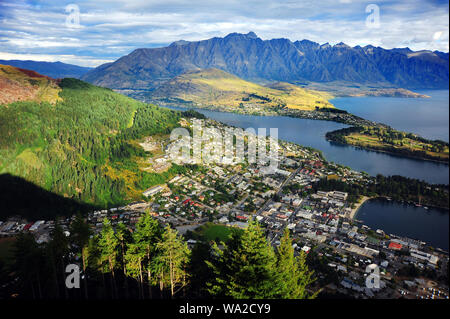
405,219
445,162
220,109
337,117
425,117
311,132
358,205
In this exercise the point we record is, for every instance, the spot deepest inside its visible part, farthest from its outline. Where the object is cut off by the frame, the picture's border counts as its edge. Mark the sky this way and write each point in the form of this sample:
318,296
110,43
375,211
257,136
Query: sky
90,33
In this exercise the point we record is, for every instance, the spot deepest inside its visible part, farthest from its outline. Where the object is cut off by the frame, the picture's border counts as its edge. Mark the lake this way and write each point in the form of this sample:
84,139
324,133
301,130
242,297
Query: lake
430,225
312,133
427,117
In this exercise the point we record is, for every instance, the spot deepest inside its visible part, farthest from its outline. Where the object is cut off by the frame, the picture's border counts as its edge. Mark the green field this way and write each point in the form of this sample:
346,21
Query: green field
210,231
406,145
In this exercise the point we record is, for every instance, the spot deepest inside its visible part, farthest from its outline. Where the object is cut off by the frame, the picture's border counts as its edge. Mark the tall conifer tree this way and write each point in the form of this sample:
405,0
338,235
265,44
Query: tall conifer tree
295,276
246,268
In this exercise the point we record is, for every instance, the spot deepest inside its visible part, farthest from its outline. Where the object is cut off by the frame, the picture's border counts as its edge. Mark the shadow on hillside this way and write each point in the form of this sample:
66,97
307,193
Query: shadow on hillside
20,197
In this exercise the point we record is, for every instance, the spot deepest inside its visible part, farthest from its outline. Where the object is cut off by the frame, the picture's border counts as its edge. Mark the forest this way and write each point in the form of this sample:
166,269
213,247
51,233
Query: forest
81,147
153,262
330,110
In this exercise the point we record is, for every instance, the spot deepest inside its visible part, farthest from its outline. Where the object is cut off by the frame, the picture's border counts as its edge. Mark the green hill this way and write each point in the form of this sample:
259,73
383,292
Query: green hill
83,146
213,87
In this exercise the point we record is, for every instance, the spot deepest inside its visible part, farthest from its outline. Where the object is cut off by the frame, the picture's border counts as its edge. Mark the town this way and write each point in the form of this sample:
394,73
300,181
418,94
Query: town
322,223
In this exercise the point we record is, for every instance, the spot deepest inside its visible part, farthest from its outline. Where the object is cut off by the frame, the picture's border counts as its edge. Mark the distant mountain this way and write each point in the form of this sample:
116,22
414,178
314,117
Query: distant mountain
343,88
214,87
251,58
18,84
56,70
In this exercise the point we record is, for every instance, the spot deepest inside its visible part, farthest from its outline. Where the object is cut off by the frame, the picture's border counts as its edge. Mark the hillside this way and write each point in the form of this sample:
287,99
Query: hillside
344,89
251,58
19,84
56,70
213,87
82,147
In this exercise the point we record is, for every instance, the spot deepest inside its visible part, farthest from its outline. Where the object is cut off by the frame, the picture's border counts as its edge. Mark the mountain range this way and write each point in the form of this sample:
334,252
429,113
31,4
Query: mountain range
56,70
301,62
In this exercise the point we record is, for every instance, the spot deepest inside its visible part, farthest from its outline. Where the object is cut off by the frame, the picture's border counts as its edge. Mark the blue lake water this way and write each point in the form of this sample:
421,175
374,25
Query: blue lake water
427,117
312,133
431,226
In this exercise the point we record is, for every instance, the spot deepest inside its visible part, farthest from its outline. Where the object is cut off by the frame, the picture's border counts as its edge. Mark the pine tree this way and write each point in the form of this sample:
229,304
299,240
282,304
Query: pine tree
123,234
58,252
294,273
174,257
80,233
93,254
141,253
147,236
28,264
133,263
198,269
108,244
246,268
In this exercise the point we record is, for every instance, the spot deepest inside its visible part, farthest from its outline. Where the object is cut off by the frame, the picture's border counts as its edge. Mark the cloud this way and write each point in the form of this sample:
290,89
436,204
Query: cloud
110,29
88,61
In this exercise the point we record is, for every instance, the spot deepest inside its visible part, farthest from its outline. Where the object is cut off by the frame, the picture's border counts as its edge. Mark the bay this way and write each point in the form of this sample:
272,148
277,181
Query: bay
428,117
429,225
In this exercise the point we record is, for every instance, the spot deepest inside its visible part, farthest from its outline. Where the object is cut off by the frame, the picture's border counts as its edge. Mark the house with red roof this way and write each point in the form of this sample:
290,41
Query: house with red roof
395,246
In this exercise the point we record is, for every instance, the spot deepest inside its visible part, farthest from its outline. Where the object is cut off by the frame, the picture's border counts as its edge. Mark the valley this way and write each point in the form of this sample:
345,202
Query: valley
217,90
143,171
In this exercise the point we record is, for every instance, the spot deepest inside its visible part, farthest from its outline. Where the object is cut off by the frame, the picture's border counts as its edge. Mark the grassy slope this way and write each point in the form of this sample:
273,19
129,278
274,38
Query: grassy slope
217,88
370,141
18,84
392,141
82,147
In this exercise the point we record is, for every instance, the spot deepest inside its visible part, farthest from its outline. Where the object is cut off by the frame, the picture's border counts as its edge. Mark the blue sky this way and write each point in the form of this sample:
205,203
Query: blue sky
107,30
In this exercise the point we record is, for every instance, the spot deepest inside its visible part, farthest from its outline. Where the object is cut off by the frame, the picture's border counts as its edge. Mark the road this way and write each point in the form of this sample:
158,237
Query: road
279,190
